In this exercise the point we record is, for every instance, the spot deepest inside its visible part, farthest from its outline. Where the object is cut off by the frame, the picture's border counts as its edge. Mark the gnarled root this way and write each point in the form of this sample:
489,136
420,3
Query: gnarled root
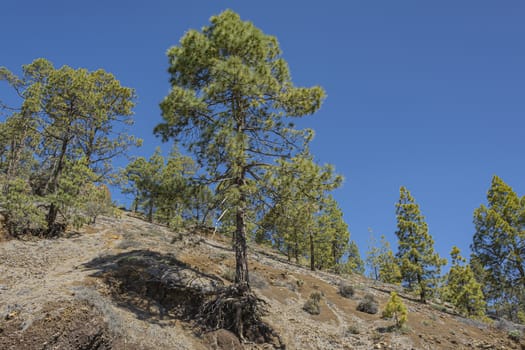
237,309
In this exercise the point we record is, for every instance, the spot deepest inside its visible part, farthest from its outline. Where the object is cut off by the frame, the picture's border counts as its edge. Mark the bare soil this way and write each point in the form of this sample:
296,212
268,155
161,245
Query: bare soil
104,287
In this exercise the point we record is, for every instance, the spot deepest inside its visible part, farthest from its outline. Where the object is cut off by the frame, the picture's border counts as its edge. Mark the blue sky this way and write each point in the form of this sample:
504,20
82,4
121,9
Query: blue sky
427,95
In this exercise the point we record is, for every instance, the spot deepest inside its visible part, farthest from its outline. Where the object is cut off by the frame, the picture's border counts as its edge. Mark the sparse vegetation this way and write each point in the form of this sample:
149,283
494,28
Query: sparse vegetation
346,290
368,304
317,296
353,329
136,282
312,304
515,335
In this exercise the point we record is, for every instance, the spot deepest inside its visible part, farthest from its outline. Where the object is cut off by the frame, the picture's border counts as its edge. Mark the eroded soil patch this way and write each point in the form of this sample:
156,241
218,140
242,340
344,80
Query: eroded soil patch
63,325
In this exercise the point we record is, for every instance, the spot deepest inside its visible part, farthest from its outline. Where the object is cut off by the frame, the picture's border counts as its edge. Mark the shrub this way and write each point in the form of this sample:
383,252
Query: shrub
353,329
312,304
396,309
312,307
370,297
368,305
316,296
346,290
514,335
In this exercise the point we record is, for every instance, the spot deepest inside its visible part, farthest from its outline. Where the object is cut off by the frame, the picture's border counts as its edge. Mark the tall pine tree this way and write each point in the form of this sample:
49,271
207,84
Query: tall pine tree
498,249
420,264
230,100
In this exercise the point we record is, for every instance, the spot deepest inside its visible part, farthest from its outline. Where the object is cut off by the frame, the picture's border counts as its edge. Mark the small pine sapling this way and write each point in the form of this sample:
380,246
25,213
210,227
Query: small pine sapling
396,309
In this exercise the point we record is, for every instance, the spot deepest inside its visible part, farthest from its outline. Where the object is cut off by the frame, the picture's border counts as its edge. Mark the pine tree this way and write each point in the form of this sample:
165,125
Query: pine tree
304,217
498,249
332,237
372,256
163,190
68,197
176,193
339,234
420,265
462,289
230,104
382,262
395,308
354,263
20,208
67,117
230,98
143,178
389,270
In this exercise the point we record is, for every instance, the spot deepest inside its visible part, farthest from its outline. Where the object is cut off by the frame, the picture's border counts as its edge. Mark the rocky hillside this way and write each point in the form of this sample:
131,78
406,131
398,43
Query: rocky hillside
127,284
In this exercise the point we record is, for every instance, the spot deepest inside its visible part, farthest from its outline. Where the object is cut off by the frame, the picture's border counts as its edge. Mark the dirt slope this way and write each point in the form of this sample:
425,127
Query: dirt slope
99,289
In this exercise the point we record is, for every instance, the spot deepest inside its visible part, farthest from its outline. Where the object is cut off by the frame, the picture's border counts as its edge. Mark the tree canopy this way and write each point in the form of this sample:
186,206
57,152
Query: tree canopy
69,126
230,100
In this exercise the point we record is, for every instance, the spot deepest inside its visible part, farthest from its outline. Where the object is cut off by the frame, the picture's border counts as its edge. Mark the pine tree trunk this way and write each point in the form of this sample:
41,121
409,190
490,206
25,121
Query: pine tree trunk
241,261
51,218
296,251
312,252
423,289
150,212
52,186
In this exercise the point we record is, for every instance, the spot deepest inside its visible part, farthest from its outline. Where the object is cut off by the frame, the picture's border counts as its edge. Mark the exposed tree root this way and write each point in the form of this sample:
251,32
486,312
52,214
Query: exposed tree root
237,309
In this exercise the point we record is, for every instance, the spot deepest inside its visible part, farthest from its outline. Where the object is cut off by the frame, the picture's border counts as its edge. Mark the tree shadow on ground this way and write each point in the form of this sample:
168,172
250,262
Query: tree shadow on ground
154,286
158,287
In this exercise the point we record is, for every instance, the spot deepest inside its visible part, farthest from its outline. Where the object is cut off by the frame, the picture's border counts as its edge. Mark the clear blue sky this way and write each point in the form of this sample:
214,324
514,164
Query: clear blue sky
428,95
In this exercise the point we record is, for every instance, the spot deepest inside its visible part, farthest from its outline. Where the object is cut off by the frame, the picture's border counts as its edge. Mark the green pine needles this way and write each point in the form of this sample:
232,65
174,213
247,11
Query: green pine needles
420,264
498,250
462,289
396,309
61,139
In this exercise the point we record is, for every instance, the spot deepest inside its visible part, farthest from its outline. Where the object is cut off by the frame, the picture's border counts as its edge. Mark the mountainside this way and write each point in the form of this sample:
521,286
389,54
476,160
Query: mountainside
127,284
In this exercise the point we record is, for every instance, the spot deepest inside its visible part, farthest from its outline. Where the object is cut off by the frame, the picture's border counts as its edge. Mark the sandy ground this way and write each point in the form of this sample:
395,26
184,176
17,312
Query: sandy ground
66,293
